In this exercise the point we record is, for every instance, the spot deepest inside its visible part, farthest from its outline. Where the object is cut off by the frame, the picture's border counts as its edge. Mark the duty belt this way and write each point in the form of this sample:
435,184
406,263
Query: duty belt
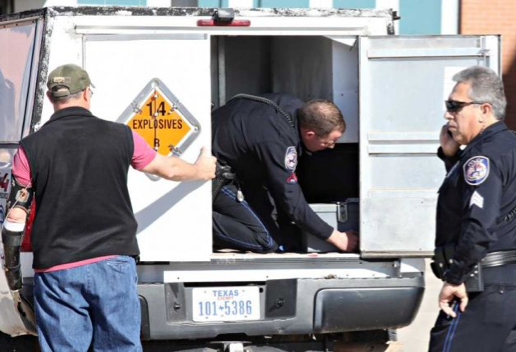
475,280
499,258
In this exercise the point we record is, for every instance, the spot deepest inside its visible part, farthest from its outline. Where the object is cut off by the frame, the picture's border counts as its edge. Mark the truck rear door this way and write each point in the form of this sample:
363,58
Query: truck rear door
158,83
403,83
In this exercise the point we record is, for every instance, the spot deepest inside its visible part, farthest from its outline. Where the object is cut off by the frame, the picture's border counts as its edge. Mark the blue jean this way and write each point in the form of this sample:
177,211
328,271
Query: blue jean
92,305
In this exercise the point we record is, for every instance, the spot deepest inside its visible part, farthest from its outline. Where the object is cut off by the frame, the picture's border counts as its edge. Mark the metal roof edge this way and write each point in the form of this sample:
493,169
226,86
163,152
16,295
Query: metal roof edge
205,11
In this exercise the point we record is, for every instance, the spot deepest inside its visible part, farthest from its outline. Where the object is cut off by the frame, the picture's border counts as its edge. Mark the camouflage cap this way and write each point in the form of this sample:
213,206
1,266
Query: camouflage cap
66,80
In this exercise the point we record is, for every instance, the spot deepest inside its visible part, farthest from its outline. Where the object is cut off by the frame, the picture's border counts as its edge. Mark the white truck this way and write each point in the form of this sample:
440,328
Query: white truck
162,71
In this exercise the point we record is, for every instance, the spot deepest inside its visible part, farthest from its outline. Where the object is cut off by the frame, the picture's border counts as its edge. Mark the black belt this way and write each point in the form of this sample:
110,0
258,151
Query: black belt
499,258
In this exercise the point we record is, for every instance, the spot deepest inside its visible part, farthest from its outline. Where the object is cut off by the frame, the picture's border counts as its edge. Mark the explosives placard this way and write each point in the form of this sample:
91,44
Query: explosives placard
162,121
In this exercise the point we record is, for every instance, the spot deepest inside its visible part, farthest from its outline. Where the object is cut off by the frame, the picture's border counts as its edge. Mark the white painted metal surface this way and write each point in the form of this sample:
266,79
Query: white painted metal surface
450,15
345,84
260,25
400,172
382,270
174,219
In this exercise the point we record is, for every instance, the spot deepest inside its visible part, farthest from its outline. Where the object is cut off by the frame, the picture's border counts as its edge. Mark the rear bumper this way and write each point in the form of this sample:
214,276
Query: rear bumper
293,306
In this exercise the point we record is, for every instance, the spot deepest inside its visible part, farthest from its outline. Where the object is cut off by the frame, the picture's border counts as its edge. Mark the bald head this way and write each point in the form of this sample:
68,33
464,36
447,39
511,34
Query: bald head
321,116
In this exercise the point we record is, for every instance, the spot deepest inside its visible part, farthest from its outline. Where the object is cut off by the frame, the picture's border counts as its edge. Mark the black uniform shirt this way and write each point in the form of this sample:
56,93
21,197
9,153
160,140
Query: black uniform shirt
475,199
262,147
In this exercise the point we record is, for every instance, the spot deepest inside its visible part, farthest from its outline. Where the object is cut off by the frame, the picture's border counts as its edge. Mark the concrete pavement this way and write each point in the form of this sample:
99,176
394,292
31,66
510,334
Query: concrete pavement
415,338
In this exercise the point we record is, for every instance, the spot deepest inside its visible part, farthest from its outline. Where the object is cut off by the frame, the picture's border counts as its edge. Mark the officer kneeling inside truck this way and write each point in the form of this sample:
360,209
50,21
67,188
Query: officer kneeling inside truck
258,203
476,225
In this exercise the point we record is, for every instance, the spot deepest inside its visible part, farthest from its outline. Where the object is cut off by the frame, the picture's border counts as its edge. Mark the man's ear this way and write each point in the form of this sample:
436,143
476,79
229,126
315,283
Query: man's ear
86,94
307,133
486,109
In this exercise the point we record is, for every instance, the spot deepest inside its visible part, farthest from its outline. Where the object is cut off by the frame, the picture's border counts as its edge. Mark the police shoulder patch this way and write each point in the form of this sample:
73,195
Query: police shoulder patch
476,170
291,159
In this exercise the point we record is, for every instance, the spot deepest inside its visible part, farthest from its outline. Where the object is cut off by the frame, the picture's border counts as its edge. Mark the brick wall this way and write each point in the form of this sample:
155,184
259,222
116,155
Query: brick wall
496,17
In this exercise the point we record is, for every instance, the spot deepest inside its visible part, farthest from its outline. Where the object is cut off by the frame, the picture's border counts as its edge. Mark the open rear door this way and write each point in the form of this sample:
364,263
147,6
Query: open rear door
159,85
403,82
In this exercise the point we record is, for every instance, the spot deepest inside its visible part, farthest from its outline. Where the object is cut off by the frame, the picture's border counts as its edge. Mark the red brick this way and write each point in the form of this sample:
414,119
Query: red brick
496,17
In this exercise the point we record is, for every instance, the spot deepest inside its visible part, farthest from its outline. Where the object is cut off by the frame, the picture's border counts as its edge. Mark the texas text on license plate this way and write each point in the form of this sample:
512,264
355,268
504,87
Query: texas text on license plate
226,303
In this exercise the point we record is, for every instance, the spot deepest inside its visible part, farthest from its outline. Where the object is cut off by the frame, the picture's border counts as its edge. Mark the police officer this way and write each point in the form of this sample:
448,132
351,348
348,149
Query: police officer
476,228
261,139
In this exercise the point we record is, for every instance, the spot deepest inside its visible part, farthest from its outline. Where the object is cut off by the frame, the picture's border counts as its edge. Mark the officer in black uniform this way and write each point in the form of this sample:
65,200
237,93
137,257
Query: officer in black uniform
476,226
261,139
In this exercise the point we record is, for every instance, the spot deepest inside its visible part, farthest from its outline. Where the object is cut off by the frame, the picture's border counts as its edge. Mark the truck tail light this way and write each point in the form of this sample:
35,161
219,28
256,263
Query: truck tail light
224,18
213,23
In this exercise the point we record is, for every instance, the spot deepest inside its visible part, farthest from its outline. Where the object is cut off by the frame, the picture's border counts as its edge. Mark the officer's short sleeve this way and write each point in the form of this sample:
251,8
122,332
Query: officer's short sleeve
481,198
279,160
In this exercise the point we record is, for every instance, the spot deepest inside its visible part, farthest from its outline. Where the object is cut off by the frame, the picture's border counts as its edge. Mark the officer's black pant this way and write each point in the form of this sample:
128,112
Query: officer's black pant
487,325
236,225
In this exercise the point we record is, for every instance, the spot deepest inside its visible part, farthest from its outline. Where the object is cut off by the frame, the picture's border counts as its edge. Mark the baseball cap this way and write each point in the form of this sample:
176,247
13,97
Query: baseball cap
66,80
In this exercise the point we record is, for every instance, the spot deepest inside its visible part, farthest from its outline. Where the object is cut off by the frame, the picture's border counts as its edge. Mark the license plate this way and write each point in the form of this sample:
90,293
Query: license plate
226,303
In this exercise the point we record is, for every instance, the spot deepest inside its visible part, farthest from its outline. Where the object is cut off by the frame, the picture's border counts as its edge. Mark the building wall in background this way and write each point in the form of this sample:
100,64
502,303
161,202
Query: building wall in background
496,17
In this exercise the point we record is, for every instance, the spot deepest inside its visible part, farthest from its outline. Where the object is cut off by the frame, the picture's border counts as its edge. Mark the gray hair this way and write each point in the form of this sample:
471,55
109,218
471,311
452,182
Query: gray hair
486,86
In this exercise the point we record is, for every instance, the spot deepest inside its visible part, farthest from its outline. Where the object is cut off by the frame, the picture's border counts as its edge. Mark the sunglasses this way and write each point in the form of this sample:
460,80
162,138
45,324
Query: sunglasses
456,106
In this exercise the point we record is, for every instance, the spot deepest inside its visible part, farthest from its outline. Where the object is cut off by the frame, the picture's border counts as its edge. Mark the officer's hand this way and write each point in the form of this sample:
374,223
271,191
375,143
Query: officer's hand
345,241
26,311
447,296
449,145
205,165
